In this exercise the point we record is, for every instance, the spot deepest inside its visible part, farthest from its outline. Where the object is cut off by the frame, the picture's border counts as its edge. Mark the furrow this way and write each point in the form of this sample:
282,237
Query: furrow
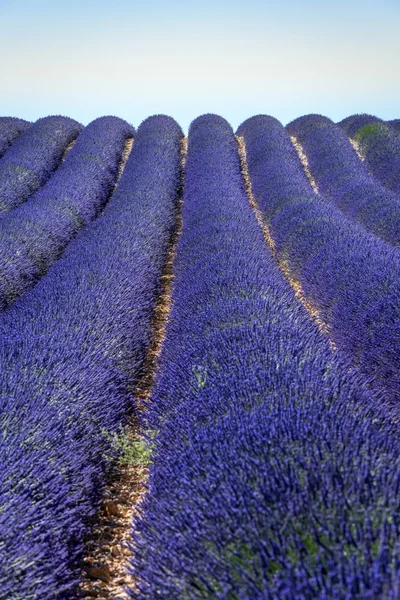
124,158
68,150
304,162
357,148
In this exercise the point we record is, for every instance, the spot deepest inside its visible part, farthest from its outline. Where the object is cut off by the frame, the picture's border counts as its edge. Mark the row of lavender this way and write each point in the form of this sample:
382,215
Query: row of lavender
10,129
36,154
395,124
71,352
349,275
343,178
274,474
379,144
33,157
33,235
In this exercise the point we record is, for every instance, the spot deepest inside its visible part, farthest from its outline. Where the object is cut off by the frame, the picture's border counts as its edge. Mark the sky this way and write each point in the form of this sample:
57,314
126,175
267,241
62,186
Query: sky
286,58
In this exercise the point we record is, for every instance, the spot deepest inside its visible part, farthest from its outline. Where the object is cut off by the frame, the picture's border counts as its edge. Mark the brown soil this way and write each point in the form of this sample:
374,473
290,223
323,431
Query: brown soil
304,162
124,158
356,147
105,566
68,149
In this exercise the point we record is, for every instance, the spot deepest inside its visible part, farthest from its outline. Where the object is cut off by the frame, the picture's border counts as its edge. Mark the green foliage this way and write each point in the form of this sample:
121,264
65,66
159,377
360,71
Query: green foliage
368,130
200,374
132,448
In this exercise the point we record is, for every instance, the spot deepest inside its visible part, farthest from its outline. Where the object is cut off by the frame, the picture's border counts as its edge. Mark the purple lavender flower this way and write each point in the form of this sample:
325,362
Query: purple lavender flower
33,235
379,143
344,179
10,129
32,158
350,276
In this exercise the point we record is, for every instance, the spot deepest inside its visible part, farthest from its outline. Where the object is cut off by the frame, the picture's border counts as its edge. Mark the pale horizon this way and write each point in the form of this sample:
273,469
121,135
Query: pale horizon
87,59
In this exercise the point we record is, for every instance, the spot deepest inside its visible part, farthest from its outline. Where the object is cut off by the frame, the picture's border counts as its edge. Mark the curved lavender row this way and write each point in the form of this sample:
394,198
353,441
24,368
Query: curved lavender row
395,123
71,349
379,144
342,177
268,479
33,236
10,129
351,277
33,157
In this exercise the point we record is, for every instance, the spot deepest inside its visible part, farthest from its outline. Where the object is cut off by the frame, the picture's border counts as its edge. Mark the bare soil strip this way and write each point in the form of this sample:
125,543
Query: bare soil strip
124,158
104,568
68,149
296,286
304,162
357,148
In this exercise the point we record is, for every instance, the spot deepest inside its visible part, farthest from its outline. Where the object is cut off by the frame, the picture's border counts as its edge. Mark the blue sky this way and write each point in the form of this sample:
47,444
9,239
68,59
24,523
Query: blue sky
87,58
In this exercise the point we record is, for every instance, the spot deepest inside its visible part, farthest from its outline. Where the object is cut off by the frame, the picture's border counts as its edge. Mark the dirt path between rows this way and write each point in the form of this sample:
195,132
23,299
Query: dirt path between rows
304,162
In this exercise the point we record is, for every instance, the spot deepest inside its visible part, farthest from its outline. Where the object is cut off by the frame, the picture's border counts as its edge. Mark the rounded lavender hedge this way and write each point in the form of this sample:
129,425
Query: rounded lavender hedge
344,179
10,129
379,144
350,276
274,474
71,352
33,235
33,157
395,123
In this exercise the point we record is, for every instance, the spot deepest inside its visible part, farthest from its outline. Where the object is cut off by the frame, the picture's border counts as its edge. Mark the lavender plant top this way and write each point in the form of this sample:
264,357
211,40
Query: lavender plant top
379,143
395,123
343,178
274,475
71,349
10,129
351,277
33,236
33,157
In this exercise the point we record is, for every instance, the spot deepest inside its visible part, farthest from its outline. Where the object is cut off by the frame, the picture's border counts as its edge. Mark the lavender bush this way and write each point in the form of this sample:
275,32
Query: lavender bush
72,349
395,123
343,178
275,474
33,157
33,236
379,143
10,129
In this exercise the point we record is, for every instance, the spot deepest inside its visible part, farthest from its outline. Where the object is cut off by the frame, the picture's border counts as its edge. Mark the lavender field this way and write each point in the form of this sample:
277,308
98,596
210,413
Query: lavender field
220,314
